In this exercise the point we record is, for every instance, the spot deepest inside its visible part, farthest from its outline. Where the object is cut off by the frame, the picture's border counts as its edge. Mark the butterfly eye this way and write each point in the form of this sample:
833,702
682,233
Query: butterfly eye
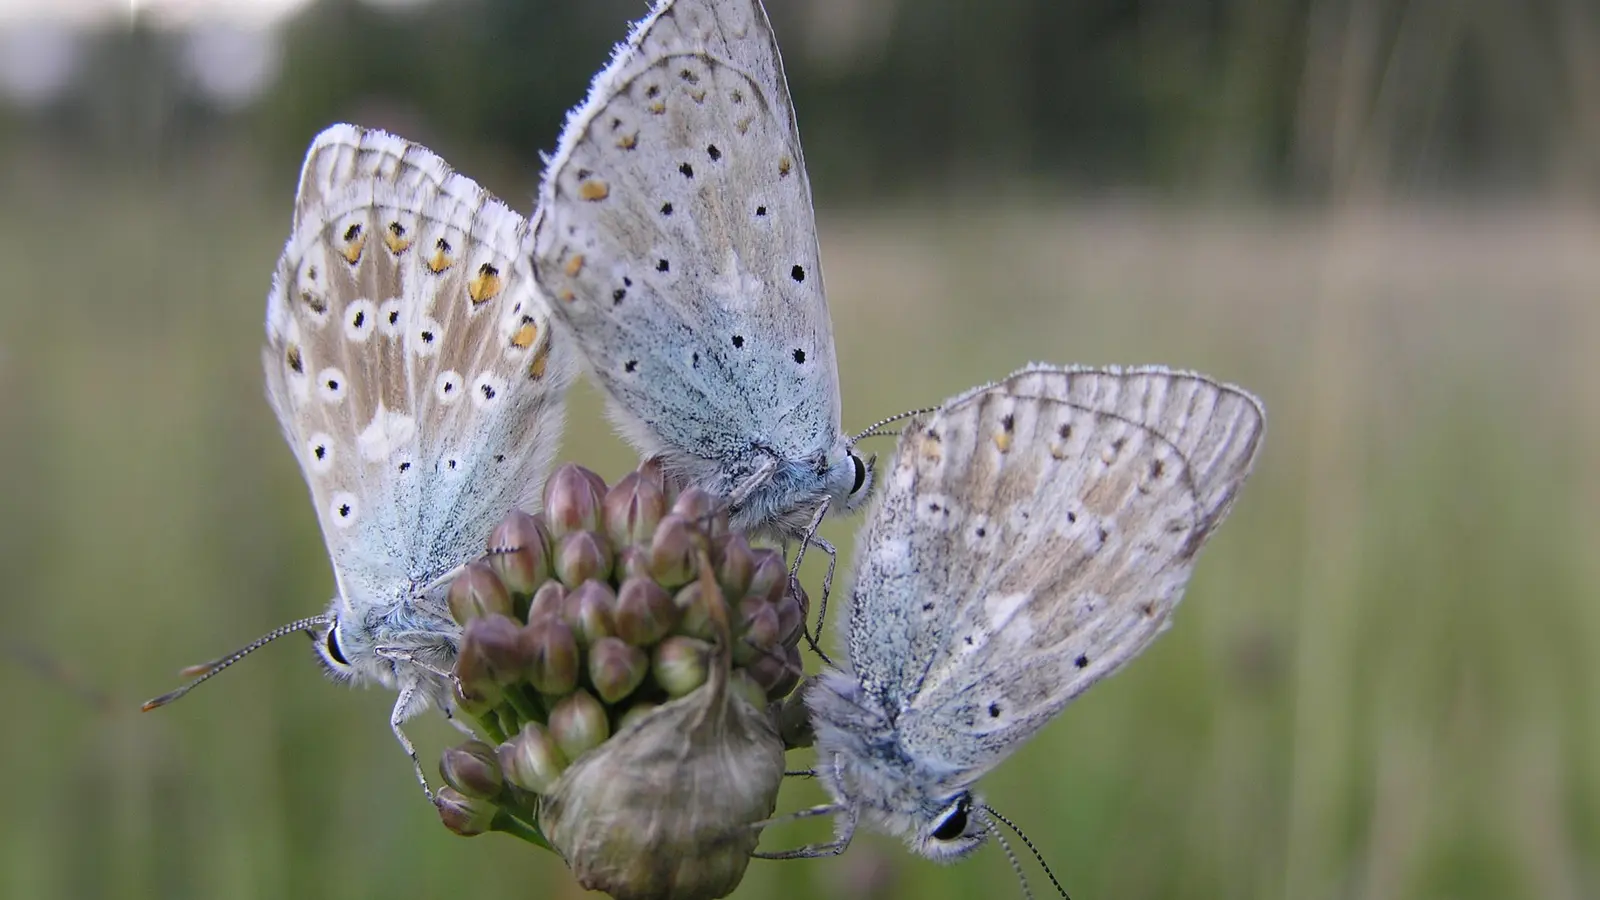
955,824
861,473
331,642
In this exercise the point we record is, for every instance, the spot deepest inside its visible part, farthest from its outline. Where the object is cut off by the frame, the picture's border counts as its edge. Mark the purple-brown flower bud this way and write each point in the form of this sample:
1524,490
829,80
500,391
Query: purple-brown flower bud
475,593
582,555
704,509
755,630
735,563
775,669
791,619
771,576
531,760
549,601
632,562
679,664
590,612
572,500
645,612
490,655
519,552
464,815
552,655
616,668
633,509
472,769
578,723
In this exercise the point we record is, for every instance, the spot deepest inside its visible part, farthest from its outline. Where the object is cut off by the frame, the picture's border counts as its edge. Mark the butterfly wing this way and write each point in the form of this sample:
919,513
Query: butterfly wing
1032,537
409,360
677,240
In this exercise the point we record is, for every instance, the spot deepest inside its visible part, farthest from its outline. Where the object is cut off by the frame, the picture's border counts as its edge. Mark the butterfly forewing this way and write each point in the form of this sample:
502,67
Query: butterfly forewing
409,359
677,240
1032,537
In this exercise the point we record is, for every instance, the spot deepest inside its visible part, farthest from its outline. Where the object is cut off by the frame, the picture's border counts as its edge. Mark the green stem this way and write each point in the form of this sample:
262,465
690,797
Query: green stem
510,824
523,706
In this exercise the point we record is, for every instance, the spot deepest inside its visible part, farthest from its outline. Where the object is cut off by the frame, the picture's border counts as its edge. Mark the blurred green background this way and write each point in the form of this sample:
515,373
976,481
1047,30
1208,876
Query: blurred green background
1381,215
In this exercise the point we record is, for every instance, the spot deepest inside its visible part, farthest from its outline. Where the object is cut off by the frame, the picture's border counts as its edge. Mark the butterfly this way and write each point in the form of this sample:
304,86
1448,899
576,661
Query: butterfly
1031,537
676,237
410,362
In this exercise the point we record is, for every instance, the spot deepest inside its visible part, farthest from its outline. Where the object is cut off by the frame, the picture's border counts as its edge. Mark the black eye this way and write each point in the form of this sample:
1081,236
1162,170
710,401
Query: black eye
955,824
332,642
861,473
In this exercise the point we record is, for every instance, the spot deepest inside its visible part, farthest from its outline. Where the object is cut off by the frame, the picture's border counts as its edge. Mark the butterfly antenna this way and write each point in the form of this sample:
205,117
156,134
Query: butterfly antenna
990,811
873,431
205,671
1011,857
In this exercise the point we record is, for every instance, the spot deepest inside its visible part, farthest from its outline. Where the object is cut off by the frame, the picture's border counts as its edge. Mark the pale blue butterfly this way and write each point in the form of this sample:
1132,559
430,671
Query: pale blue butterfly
410,362
1031,537
676,237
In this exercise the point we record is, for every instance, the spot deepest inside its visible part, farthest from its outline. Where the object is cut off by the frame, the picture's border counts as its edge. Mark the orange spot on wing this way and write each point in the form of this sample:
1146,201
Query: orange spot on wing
525,335
784,165
574,265
593,189
486,285
352,251
536,368
628,141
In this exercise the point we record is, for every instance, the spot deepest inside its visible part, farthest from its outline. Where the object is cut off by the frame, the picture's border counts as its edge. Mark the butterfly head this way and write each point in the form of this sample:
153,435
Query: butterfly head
863,764
849,480
396,651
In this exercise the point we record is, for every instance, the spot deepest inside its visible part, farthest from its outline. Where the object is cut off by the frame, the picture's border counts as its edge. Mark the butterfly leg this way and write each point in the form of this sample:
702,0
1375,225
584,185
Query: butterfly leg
402,710
846,830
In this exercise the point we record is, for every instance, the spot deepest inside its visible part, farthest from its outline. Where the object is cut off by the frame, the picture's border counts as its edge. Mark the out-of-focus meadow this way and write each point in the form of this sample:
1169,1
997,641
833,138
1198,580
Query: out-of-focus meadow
1384,681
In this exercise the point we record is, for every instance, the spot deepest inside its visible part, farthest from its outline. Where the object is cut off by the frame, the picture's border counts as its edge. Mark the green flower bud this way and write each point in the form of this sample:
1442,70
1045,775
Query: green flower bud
552,654
740,684
531,760
578,724
476,592
549,601
633,509
472,769
490,655
645,612
466,816
572,500
755,630
771,576
590,612
674,552
699,611
634,713
582,555
616,668
735,563
519,552
476,702
680,664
